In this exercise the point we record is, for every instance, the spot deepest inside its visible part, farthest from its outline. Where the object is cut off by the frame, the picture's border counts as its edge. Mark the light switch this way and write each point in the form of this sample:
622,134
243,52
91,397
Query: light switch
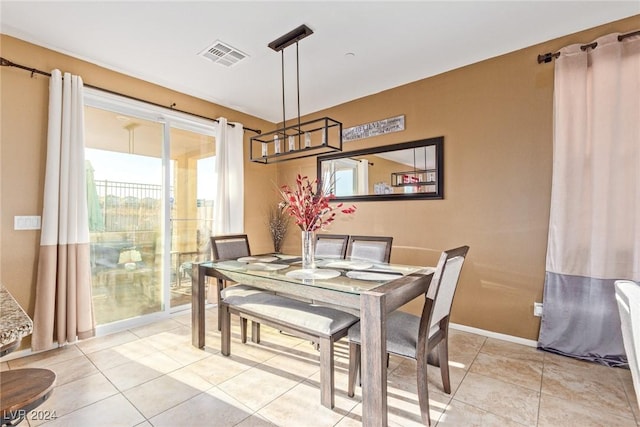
27,222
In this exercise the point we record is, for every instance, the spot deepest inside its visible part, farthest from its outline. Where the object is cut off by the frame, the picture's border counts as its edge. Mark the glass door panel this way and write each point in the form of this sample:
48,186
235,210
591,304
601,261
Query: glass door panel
124,177
193,191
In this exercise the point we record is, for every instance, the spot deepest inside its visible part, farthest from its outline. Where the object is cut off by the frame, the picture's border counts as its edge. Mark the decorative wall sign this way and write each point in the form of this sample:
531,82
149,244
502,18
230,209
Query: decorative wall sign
380,127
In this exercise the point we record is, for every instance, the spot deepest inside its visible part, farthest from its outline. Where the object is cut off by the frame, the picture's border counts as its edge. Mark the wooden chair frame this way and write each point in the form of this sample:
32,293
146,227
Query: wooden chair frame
384,239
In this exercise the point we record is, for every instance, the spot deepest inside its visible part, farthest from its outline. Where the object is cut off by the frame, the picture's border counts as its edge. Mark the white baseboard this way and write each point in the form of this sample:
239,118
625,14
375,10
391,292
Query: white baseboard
496,335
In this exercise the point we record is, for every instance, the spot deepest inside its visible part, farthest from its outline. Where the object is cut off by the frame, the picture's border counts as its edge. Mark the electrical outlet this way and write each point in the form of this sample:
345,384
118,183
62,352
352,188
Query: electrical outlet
26,222
537,309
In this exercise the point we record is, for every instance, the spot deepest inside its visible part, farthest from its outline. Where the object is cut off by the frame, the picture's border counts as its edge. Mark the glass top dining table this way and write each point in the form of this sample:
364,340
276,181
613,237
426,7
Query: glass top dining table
367,289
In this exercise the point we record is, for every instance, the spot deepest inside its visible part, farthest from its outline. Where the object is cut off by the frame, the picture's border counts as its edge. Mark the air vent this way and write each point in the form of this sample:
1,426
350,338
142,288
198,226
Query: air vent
223,54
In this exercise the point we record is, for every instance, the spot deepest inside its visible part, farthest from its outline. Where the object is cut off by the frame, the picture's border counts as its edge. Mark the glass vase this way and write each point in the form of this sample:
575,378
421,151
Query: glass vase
308,249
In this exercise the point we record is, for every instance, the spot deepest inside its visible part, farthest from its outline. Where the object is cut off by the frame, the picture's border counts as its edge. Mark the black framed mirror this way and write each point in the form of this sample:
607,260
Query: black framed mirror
410,170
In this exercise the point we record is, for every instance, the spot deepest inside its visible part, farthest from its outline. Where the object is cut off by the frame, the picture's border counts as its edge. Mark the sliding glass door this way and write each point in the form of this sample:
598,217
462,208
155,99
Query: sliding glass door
150,178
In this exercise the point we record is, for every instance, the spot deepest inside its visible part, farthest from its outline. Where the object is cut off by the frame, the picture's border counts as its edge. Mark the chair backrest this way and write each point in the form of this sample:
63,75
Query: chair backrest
370,248
439,296
628,298
231,246
331,245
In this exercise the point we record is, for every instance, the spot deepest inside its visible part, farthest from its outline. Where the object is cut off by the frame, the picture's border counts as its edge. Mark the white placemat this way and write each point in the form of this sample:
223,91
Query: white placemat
265,266
258,259
313,273
366,275
350,265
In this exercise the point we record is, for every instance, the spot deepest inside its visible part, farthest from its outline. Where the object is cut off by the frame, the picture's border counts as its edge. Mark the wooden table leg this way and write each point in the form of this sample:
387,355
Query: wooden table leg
197,306
374,359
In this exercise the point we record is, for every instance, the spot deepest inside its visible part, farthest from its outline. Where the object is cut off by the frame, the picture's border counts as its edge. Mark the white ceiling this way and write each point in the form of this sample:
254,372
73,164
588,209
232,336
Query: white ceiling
392,42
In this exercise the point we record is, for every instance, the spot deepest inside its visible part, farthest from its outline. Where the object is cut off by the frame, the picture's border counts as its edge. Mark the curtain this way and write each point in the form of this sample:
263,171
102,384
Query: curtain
363,176
594,227
63,285
229,204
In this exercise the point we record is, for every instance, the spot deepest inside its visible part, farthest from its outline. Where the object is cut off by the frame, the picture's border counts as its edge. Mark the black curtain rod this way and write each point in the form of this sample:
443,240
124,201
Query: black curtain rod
550,56
6,63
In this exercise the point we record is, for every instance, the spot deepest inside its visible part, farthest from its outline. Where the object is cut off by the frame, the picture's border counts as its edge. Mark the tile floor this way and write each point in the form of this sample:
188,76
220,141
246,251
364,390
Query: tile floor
152,376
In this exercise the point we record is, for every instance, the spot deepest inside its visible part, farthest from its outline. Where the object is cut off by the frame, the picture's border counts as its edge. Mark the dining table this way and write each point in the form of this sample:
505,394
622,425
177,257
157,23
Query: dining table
370,290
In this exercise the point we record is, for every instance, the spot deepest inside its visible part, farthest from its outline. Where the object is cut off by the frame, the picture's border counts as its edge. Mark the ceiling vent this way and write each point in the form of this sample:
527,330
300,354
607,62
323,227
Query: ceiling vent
223,54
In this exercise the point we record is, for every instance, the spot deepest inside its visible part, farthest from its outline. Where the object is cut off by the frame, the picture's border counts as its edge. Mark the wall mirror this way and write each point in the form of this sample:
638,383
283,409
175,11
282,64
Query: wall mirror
411,170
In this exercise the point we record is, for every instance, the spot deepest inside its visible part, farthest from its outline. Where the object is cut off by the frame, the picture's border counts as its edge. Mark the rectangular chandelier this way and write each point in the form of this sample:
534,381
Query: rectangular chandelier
297,140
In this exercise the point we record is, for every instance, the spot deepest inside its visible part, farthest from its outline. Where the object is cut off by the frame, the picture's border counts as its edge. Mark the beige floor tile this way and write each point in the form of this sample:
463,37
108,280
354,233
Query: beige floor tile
589,384
160,394
77,394
114,411
155,328
188,376
559,412
212,408
187,354
407,370
517,403
259,385
180,335
255,421
138,372
301,364
218,368
519,371
107,341
46,358
4,366
459,414
120,354
73,369
300,406
461,342
499,347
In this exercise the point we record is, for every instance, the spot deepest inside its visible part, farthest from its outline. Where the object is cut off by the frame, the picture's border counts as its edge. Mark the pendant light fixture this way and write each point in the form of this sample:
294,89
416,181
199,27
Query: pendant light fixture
297,140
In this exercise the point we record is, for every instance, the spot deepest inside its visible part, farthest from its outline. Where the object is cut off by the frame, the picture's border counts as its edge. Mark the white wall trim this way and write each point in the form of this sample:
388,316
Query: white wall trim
496,335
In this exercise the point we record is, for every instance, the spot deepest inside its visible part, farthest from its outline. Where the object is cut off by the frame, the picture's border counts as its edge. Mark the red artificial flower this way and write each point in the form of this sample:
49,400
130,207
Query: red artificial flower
310,208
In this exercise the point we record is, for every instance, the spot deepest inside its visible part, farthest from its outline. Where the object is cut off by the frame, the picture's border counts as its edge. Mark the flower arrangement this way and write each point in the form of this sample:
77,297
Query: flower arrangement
310,207
278,222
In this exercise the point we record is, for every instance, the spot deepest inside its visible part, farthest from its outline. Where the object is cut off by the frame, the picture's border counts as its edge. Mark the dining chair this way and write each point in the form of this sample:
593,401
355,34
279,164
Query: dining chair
628,298
414,337
232,247
370,248
331,245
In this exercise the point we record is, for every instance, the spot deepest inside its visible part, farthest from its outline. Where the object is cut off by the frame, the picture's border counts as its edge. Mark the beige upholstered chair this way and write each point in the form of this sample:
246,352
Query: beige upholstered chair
415,337
370,248
331,245
628,298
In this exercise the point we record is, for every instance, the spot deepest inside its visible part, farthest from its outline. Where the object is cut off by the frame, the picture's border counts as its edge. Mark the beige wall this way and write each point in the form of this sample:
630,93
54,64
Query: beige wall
23,153
496,117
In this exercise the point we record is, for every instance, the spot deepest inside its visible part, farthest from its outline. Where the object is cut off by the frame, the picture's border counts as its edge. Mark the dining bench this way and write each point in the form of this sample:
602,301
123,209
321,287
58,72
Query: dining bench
320,324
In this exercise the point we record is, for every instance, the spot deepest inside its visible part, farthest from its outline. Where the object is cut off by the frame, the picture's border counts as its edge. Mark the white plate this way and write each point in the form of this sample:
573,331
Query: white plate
364,275
265,266
350,265
313,273
232,265
258,259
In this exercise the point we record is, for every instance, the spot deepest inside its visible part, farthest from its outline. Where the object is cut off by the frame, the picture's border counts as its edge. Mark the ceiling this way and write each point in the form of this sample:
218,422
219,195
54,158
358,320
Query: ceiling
357,49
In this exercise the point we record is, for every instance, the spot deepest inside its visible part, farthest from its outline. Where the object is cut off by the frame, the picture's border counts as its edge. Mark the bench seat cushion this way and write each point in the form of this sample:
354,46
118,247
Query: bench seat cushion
323,321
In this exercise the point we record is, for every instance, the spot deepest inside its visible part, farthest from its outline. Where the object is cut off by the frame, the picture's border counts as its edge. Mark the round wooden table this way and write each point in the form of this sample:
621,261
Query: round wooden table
22,390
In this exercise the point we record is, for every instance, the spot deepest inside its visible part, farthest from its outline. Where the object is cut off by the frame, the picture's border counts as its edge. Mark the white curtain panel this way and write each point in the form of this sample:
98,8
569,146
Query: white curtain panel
63,309
229,204
594,226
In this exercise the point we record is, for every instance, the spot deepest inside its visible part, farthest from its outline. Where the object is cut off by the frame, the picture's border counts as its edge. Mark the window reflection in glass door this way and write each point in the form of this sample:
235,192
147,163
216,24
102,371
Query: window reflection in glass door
124,177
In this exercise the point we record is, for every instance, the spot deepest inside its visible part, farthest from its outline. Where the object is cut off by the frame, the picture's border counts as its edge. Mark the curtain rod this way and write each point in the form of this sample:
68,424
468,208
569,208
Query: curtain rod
549,56
6,63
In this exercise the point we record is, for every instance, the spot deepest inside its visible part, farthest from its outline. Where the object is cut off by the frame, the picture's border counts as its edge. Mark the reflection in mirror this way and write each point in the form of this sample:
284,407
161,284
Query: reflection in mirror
400,171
